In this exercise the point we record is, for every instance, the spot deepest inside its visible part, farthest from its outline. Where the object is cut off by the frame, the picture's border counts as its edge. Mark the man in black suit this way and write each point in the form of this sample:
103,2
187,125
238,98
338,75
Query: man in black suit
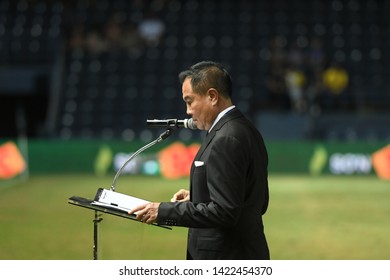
228,183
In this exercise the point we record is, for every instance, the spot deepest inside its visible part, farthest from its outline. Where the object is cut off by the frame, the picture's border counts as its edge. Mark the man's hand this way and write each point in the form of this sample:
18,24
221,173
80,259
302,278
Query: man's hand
146,213
181,196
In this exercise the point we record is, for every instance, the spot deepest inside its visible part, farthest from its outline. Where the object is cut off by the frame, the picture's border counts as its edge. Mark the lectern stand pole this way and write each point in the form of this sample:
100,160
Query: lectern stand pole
87,203
96,222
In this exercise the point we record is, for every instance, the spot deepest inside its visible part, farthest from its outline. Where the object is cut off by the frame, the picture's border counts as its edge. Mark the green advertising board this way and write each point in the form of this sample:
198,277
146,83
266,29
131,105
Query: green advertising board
100,157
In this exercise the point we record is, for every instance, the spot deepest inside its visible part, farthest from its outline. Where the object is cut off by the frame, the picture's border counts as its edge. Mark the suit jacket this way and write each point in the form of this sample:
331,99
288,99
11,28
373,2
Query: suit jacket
229,194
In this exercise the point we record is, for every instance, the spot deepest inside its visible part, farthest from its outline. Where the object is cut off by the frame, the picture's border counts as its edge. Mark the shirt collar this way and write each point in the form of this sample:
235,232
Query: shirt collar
221,114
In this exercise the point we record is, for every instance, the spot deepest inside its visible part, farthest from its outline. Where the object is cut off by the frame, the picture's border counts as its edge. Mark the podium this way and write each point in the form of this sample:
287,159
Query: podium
115,203
99,210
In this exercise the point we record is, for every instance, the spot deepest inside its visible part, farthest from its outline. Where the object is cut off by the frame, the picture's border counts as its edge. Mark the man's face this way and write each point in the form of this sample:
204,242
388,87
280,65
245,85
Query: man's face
199,106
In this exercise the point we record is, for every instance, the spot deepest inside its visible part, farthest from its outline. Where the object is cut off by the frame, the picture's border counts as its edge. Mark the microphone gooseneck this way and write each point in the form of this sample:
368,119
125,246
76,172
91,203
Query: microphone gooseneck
169,125
162,137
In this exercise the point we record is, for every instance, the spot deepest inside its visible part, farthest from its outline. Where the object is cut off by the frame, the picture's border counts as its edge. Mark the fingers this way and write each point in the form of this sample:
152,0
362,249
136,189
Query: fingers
175,198
136,209
181,195
186,198
146,213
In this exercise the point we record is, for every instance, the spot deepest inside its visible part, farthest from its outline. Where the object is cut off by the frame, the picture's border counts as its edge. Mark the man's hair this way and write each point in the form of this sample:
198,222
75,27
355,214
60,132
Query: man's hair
208,74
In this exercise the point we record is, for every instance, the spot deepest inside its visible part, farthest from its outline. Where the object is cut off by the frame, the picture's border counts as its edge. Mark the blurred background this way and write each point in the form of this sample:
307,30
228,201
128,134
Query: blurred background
98,69
79,79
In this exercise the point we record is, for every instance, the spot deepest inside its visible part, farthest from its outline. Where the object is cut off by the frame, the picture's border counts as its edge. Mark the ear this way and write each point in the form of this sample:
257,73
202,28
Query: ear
213,95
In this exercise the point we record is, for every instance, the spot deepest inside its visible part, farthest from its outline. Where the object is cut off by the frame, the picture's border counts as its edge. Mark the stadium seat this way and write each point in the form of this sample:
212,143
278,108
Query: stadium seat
99,88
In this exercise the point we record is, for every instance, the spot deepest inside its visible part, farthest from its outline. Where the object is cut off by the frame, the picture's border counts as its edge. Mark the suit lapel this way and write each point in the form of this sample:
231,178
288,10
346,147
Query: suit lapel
234,113
209,137
205,143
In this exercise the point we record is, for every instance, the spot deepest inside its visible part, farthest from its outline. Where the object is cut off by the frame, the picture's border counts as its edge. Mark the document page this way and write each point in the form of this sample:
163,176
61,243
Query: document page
115,200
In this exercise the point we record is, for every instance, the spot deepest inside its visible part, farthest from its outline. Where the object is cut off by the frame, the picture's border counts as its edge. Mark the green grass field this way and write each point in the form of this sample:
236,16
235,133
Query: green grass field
308,218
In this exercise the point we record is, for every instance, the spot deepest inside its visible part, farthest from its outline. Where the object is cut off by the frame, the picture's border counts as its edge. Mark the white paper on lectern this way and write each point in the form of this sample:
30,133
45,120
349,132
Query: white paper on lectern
115,200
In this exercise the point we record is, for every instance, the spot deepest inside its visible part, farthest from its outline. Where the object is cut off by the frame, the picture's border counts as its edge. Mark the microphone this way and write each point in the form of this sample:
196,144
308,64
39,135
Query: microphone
174,123
169,123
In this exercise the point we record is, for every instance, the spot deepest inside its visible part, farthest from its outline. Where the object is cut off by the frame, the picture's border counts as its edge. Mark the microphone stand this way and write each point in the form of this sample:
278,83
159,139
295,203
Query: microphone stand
98,218
162,137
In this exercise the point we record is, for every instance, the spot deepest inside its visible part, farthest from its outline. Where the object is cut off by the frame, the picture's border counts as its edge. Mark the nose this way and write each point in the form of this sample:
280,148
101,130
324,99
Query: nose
189,111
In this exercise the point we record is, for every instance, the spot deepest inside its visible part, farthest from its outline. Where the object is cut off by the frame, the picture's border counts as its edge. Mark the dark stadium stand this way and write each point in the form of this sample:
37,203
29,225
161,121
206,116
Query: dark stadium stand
109,90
